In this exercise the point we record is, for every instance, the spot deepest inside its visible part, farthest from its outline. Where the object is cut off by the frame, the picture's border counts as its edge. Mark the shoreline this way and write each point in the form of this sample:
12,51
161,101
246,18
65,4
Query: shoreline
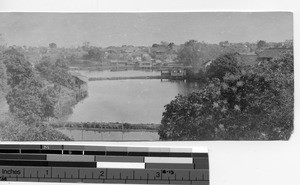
105,130
110,126
124,78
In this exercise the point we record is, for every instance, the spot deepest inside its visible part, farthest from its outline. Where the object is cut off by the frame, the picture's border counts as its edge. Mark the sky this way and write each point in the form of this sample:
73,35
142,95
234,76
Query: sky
142,29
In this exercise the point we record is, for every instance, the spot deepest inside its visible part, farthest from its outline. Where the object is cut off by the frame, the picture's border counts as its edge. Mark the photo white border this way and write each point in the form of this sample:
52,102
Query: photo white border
231,162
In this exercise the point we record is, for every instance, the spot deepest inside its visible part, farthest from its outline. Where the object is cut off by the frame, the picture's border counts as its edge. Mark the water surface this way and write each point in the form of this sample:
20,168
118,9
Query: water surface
132,101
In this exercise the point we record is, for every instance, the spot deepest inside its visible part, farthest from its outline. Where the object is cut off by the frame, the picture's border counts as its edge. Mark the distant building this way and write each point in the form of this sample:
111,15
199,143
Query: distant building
118,63
146,64
271,53
178,72
249,59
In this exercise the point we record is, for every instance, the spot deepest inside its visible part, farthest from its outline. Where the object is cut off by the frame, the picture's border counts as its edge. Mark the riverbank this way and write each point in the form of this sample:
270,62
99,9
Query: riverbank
104,126
125,78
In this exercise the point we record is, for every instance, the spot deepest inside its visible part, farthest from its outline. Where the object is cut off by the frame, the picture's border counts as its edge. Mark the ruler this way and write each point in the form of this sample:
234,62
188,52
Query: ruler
103,164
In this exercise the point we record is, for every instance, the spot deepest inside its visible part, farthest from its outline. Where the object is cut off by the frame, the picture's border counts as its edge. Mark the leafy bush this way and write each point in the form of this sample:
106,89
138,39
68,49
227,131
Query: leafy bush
28,98
227,63
56,72
243,104
3,78
14,130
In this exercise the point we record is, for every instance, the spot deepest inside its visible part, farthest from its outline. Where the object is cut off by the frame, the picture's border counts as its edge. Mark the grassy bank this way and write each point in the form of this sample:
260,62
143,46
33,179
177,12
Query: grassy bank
106,126
12,129
125,78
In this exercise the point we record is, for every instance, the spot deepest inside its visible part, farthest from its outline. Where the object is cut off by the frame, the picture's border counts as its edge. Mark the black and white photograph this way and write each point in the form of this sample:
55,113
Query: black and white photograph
151,76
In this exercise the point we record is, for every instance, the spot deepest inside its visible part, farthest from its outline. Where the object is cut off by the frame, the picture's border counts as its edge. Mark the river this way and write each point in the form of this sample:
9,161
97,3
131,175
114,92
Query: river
131,101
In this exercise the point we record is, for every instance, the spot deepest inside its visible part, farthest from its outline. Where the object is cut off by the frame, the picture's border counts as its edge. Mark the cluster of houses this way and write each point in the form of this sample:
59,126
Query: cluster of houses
139,57
158,57
255,58
172,70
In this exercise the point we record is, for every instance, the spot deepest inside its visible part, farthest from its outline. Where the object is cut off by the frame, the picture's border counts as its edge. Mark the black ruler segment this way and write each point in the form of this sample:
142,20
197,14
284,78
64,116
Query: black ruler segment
94,153
9,151
159,154
116,153
103,164
47,163
138,154
199,154
23,156
73,152
177,154
201,163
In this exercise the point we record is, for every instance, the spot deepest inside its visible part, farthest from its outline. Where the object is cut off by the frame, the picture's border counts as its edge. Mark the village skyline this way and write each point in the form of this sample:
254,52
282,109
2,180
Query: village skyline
143,29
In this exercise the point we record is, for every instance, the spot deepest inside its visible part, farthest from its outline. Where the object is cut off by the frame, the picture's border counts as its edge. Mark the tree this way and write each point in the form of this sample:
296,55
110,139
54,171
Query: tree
24,101
17,67
197,53
28,99
94,54
261,44
57,73
256,103
190,54
86,45
227,63
224,43
171,45
3,77
49,99
62,64
52,45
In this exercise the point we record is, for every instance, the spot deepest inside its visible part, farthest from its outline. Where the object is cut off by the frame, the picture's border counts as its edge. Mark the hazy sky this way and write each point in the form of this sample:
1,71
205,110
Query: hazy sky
142,29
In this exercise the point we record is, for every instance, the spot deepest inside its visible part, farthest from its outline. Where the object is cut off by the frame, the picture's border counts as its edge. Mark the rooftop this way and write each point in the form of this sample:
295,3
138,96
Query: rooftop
272,52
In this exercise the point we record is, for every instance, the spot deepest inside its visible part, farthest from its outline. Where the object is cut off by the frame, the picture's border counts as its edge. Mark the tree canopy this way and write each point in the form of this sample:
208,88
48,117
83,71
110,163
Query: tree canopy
227,63
255,103
28,99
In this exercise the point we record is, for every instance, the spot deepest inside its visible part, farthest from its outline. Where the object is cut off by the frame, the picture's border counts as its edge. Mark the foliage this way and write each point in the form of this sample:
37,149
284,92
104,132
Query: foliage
24,101
52,45
256,103
196,53
3,77
15,130
56,73
261,44
190,54
28,99
94,54
198,75
49,99
227,63
17,68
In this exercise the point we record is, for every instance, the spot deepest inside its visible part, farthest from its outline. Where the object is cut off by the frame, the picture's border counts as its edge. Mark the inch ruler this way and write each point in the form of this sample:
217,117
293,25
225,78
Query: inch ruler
103,164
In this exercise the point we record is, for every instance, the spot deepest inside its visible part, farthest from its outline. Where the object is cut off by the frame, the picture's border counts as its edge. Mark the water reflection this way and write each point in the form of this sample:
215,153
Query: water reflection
88,135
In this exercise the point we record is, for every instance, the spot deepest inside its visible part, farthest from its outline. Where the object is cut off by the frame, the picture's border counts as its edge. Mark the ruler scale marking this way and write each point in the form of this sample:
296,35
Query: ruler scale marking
45,163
